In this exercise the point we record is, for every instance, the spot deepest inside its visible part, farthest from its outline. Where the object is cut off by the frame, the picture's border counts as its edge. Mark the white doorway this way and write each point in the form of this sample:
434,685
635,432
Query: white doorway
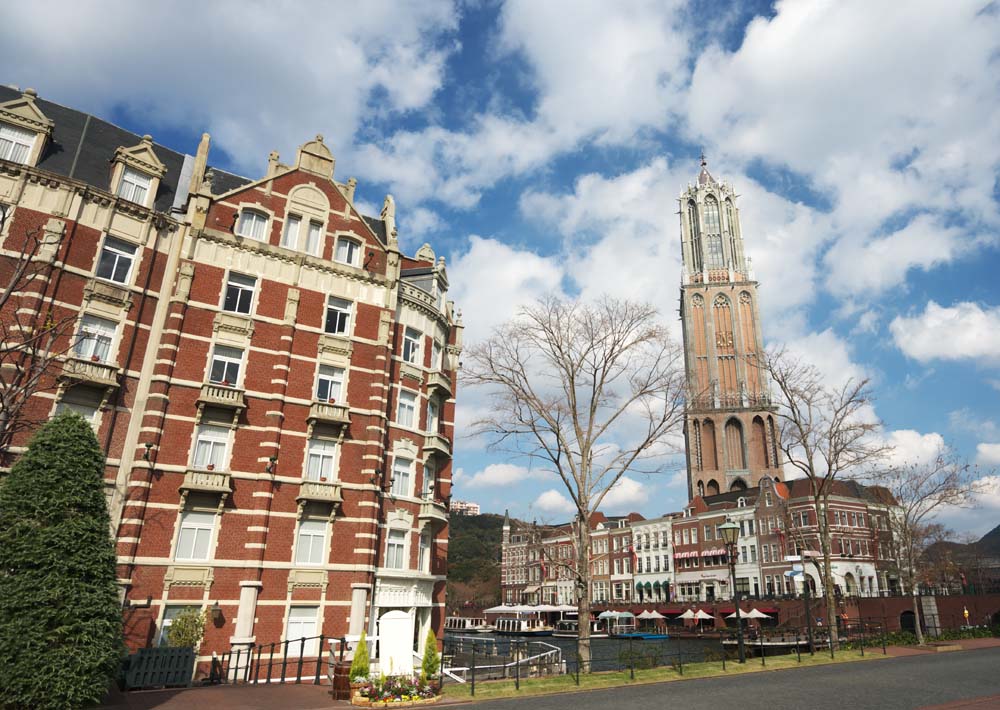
395,642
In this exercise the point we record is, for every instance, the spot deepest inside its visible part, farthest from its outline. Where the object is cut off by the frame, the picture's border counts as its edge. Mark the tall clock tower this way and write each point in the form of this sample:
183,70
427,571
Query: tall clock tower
730,425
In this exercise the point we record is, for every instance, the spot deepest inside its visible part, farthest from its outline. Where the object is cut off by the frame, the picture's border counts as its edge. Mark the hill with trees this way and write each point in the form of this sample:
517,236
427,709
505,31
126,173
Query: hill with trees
474,560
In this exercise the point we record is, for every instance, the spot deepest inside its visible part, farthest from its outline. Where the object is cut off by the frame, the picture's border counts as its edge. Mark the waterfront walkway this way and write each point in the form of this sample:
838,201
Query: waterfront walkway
910,678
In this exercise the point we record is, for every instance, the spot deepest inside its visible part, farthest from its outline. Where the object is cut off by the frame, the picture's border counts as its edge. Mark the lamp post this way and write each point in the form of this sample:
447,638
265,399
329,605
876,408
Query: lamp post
730,532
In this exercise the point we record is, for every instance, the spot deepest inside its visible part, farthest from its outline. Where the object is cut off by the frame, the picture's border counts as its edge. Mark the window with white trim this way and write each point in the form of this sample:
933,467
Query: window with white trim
411,345
239,293
329,383
211,447
437,356
395,549
348,251
16,143
424,552
290,237
194,541
338,316
225,369
115,262
407,408
94,339
310,542
430,474
303,623
87,411
313,238
402,477
134,186
433,415
252,224
321,460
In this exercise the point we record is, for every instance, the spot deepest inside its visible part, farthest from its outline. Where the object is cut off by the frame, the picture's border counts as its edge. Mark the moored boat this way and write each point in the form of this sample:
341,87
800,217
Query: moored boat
467,625
522,626
570,628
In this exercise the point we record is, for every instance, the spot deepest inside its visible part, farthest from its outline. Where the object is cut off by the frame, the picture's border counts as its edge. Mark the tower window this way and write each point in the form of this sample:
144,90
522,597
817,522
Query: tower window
15,143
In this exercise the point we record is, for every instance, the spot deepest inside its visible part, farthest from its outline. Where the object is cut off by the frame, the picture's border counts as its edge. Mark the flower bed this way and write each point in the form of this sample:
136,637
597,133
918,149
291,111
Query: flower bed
395,691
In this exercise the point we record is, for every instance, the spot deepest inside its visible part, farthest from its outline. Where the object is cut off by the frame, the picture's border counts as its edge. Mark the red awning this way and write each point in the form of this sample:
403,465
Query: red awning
768,609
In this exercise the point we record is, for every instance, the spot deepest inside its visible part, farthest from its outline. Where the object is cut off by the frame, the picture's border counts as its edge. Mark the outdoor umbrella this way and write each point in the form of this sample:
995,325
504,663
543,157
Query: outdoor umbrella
655,615
703,615
688,615
757,614
645,615
744,614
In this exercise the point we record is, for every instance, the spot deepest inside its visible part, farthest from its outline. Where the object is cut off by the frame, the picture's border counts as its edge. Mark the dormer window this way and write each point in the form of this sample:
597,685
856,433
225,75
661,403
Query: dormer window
134,186
16,143
136,173
252,224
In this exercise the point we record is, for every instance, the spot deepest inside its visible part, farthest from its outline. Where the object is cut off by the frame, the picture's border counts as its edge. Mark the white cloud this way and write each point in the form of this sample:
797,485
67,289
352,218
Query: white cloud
552,501
290,71
913,448
965,331
828,353
988,454
500,474
966,421
626,495
491,280
983,516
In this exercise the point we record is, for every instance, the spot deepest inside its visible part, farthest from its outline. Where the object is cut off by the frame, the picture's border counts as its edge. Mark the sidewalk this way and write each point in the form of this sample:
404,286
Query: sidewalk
227,697
966,644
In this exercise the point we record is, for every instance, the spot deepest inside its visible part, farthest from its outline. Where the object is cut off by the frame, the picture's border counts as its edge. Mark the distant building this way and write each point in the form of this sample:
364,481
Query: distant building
463,507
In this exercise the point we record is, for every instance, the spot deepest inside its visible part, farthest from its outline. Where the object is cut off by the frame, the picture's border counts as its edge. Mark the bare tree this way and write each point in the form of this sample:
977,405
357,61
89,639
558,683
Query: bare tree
591,390
31,333
827,433
912,495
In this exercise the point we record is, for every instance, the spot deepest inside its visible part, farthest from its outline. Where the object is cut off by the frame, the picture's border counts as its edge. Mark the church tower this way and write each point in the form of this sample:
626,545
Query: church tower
730,425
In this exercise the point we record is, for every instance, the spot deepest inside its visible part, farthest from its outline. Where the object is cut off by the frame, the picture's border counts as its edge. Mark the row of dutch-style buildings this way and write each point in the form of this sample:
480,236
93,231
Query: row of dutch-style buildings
270,376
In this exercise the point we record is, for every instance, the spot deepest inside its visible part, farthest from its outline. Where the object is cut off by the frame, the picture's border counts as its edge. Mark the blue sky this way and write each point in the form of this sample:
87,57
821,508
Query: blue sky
540,147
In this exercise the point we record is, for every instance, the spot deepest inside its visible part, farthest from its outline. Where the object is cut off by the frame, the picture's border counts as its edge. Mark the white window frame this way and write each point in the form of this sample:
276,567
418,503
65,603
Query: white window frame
310,542
88,412
330,379
115,252
406,409
314,238
229,359
170,612
16,143
342,320
95,338
134,186
433,415
424,551
430,476
411,345
348,251
196,526
252,224
291,232
240,285
211,447
395,548
305,623
322,459
402,477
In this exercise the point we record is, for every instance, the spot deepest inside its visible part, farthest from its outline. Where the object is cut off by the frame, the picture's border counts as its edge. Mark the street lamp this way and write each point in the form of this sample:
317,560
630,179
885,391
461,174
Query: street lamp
730,533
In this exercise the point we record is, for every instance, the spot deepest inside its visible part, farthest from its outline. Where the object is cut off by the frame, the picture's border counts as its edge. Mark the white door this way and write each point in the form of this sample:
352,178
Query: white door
395,643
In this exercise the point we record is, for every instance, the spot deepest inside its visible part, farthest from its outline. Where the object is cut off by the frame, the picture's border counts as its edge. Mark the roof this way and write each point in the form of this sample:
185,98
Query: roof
377,226
83,146
705,177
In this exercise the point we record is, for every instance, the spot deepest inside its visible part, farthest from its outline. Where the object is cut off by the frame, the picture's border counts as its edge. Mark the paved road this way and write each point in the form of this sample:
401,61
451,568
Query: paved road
890,684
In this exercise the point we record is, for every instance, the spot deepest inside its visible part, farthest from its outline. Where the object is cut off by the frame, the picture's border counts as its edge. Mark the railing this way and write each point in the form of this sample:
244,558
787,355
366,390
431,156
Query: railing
440,381
222,395
329,412
208,481
439,443
433,510
159,668
319,491
292,661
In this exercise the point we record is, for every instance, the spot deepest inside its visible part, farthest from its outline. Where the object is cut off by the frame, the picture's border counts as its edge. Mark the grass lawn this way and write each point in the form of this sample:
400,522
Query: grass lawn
567,683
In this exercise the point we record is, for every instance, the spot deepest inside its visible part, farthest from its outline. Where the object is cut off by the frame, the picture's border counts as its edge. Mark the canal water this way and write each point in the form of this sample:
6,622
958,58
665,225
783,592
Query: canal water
607,654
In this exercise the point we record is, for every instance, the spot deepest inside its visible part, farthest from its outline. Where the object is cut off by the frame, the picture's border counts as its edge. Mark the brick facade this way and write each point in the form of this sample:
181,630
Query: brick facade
271,377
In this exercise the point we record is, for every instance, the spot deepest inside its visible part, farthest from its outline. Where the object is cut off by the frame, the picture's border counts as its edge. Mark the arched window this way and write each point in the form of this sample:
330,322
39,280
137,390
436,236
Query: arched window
731,228
712,488
696,456
714,256
735,460
709,459
695,236
738,485
758,444
701,488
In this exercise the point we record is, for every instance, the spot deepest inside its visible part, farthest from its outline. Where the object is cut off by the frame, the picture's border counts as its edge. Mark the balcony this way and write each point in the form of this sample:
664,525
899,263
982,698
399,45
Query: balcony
329,413
437,444
439,381
222,395
90,371
434,512
204,481
319,492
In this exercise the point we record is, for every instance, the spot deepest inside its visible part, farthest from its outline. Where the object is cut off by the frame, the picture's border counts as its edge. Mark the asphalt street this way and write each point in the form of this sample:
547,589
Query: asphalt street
888,684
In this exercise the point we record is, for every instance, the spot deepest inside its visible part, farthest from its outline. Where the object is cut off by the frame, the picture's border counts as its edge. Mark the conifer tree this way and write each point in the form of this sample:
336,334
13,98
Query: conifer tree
60,617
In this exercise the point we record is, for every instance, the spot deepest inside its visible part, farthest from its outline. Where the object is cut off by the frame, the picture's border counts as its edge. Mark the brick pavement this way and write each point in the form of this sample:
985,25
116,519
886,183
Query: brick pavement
228,697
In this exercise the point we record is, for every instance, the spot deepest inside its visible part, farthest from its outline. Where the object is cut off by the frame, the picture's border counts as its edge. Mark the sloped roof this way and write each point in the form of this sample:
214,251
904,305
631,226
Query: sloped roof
82,147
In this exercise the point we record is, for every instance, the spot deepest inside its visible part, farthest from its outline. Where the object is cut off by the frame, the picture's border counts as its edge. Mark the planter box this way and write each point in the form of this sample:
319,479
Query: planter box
366,703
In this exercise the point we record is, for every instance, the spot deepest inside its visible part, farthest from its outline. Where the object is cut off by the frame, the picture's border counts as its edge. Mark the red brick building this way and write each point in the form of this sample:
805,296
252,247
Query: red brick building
271,377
